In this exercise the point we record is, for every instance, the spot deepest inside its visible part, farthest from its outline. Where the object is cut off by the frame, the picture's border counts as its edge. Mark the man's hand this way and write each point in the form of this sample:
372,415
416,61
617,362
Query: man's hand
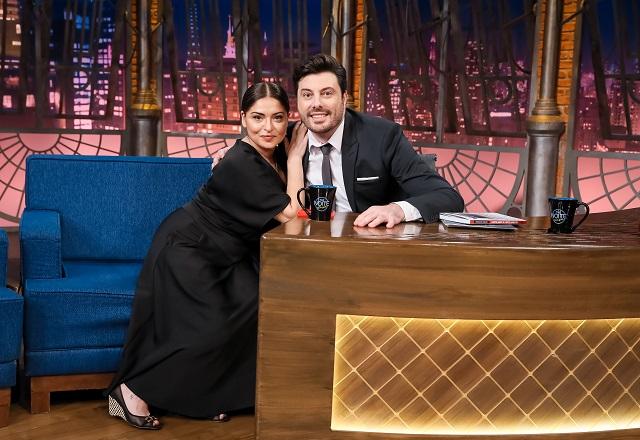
390,214
219,155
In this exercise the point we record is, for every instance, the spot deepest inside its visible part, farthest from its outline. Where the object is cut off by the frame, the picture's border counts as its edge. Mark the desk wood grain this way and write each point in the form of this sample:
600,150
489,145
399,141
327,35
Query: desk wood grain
422,271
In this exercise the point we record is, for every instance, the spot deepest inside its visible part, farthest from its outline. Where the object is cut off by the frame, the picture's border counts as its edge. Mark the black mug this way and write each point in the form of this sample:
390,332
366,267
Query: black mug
321,199
561,211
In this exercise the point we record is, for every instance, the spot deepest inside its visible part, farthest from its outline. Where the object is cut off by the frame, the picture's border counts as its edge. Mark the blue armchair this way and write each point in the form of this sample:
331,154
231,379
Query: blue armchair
10,334
86,228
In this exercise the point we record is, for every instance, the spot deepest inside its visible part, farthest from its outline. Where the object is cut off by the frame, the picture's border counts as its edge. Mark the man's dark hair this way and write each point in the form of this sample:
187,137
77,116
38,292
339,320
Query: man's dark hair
317,64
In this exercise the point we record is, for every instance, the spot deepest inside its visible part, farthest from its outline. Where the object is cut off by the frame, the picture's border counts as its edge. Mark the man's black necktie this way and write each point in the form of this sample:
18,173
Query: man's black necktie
326,165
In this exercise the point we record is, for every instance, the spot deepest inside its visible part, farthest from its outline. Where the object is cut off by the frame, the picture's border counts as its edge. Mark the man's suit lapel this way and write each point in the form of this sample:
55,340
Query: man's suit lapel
349,156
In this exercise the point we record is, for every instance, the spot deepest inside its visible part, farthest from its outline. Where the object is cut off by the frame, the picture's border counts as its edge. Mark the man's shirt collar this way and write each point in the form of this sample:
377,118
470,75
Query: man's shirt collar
335,140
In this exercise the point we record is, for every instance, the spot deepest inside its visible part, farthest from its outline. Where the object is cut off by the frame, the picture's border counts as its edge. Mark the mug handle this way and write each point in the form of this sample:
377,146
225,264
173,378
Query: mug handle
308,211
586,214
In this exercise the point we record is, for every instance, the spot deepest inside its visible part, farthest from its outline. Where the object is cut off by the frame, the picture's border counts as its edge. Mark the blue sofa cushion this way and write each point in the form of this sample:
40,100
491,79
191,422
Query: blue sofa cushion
70,361
4,246
11,308
110,206
7,374
88,308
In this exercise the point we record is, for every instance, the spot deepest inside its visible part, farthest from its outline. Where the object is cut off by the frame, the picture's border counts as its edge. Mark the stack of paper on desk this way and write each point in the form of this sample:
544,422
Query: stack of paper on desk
482,220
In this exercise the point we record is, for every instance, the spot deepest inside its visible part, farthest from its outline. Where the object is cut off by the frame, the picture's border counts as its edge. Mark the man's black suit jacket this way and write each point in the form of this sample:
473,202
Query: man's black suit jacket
380,166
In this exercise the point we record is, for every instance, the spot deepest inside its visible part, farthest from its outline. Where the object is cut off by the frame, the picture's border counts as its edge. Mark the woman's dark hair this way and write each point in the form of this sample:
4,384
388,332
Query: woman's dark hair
262,90
317,64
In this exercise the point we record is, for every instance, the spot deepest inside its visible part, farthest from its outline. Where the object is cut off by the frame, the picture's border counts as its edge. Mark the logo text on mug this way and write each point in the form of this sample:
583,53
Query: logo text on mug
558,216
321,203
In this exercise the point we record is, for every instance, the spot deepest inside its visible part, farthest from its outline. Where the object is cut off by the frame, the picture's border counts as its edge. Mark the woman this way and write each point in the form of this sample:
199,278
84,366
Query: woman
191,346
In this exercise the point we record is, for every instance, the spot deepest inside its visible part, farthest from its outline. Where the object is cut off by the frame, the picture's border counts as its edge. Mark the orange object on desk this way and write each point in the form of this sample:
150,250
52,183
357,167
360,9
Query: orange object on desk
303,214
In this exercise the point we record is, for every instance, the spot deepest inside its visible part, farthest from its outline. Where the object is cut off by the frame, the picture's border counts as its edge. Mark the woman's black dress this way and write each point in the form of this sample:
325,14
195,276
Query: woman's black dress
191,344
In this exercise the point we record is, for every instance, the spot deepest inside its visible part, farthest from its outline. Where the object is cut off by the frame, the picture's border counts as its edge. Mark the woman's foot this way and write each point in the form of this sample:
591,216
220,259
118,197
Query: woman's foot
135,405
125,404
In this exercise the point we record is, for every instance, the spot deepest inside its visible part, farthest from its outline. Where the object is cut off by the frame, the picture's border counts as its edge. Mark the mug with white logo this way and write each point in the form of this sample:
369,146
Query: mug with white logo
561,213
320,199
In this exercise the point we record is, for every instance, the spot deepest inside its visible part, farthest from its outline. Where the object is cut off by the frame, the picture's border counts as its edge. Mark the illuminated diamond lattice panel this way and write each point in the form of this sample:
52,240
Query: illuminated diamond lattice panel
427,376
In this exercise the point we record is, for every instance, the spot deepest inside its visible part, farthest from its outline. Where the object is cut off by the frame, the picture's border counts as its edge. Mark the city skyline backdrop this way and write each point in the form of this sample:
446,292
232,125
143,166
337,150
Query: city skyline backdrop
407,83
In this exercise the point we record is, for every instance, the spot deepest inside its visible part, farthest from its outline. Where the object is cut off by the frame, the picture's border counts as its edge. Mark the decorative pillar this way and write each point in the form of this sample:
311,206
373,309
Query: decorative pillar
343,46
346,51
240,16
42,16
327,41
359,57
545,125
145,110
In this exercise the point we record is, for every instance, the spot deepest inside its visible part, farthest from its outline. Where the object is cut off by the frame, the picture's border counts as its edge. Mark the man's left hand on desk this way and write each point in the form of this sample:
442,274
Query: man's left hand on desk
389,215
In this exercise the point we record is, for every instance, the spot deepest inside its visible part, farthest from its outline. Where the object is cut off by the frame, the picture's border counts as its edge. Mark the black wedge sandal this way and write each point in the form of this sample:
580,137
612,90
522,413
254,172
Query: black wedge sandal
117,408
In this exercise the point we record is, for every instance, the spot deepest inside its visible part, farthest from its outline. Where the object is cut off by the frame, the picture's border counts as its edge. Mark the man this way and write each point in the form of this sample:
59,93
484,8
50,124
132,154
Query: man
374,167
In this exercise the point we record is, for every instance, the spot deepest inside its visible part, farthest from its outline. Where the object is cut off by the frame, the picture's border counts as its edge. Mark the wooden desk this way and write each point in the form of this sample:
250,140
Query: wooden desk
427,332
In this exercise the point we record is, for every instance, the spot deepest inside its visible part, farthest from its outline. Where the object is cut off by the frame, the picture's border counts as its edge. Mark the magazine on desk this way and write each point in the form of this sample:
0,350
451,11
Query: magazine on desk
480,220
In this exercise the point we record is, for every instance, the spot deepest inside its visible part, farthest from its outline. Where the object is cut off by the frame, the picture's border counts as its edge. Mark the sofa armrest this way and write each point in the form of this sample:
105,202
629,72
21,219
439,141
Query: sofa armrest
40,244
11,312
4,249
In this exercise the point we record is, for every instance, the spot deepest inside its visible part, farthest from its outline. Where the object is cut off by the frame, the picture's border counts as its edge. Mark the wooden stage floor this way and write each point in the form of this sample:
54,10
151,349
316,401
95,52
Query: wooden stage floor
83,416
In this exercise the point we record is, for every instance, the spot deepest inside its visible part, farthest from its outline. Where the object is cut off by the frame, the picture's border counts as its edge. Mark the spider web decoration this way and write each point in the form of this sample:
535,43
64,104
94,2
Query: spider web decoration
195,146
608,183
488,180
16,147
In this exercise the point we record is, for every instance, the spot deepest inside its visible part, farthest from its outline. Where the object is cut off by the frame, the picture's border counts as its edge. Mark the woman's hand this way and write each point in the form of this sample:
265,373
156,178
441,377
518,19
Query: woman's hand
295,150
219,155
299,138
